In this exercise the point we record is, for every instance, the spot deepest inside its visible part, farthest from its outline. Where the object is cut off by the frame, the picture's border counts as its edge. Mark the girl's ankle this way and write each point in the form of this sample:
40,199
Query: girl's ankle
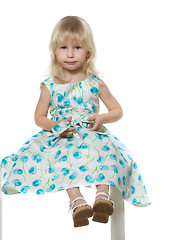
74,197
98,191
102,188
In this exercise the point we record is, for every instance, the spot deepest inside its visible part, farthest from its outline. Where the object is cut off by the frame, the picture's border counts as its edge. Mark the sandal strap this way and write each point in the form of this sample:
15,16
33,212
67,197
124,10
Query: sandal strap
72,203
102,193
108,198
76,200
83,204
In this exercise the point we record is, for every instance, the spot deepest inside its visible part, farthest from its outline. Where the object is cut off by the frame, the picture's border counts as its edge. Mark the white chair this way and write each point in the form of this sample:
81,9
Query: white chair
0,212
117,218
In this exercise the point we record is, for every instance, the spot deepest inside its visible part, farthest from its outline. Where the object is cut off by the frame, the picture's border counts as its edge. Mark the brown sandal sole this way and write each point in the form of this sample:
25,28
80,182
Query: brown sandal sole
102,211
100,218
81,216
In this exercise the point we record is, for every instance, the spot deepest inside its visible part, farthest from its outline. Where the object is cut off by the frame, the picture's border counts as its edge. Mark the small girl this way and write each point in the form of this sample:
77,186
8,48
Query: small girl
74,147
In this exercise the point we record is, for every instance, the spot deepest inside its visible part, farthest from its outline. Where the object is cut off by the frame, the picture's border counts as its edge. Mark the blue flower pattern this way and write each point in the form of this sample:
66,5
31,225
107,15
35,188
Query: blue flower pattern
48,162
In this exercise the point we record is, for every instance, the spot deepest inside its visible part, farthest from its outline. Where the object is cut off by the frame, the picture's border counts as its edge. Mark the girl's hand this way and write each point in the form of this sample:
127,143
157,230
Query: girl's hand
98,122
69,132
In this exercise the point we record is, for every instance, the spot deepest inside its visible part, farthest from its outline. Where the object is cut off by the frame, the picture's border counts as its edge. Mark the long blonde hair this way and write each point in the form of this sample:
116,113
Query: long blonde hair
78,29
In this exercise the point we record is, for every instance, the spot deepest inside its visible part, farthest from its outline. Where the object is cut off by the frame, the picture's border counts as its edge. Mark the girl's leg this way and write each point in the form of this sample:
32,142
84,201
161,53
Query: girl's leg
102,188
74,193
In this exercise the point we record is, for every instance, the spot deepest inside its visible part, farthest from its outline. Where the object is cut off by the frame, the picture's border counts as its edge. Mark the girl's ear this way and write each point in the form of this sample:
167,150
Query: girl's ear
88,54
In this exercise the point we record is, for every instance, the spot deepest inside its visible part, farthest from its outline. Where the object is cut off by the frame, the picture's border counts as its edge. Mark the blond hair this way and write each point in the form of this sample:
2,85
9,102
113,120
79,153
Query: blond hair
74,28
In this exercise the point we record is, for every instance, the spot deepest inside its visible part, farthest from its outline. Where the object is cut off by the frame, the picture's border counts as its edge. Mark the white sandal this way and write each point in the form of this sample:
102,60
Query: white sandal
103,209
80,216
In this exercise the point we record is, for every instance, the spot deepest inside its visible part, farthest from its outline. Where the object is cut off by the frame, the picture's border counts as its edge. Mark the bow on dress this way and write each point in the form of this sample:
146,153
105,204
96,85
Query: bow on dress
64,125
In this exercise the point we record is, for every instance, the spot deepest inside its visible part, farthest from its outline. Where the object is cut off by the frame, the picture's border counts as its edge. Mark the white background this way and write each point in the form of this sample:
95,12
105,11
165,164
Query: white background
136,56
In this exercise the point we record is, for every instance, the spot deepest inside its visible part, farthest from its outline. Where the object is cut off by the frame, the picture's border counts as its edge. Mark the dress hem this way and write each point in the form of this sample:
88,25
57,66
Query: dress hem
12,191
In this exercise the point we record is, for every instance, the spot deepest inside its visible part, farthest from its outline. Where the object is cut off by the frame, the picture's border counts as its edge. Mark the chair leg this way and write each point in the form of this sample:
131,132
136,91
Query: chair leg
0,212
118,217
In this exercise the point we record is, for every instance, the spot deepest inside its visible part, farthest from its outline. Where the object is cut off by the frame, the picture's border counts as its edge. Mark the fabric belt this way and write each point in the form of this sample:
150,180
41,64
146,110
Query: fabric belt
64,125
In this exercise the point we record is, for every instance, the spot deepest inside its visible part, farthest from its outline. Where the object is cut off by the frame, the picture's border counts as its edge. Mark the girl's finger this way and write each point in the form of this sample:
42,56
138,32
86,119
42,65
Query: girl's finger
69,134
69,119
70,129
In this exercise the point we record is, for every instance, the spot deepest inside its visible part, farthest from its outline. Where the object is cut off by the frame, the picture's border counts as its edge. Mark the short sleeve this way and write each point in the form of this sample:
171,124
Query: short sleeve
49,85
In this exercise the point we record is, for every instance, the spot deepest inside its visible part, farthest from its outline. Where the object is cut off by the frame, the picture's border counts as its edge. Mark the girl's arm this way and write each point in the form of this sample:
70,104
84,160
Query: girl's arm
114,108
41,111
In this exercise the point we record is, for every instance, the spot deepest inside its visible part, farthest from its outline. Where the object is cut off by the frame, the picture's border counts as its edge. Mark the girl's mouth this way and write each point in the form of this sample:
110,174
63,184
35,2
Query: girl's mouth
71,63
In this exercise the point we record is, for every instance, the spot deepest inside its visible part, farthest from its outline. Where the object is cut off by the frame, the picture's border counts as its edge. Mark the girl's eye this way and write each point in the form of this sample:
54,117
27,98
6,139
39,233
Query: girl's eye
63,47
77,47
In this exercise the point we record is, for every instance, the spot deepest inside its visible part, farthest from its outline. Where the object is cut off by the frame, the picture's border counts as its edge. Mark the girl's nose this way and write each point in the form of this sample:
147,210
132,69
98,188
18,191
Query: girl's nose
70,53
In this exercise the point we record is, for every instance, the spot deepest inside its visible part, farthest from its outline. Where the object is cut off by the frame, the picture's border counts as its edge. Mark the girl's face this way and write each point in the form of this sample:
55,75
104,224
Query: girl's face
71,55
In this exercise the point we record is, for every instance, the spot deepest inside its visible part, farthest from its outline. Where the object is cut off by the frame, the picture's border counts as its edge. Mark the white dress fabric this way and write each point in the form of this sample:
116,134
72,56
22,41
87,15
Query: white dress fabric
48,162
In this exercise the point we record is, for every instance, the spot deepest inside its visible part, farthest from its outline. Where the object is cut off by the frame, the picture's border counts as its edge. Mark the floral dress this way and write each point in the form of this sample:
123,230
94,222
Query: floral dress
48,162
